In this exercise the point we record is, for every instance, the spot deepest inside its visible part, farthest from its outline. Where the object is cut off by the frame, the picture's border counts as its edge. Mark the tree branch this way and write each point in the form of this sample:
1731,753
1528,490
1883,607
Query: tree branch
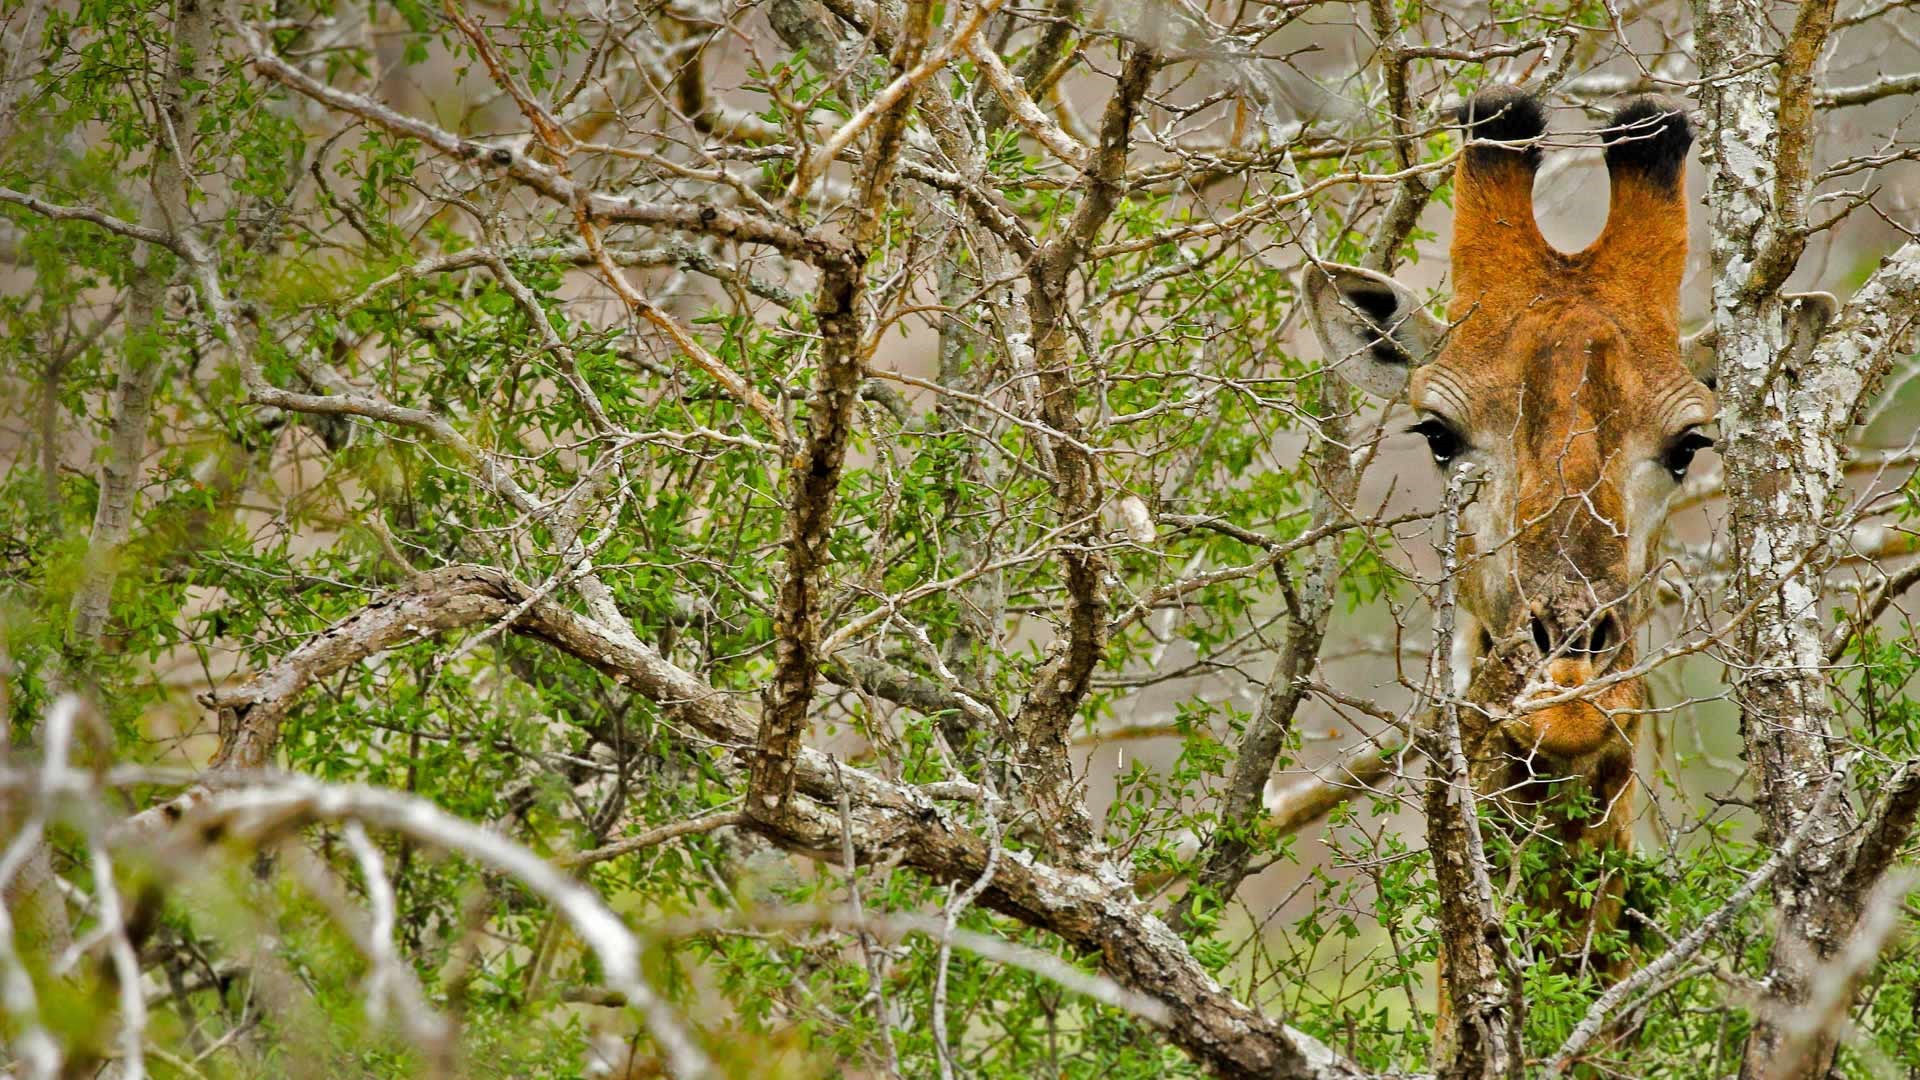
1061,683
1886,833
1091,909
1243,809
1877,322
689,216
56,212
814,480
1480,1021
253,814
1023,108
1785,233
1886,86
889,99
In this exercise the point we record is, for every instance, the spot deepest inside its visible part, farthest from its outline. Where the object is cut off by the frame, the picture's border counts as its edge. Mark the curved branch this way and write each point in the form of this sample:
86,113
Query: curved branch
119,226
1091,910
687,216
296,801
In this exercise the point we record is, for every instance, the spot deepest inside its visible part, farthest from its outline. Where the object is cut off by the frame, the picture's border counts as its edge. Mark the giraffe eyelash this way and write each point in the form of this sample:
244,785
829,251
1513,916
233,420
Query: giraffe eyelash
1442,440
1678,455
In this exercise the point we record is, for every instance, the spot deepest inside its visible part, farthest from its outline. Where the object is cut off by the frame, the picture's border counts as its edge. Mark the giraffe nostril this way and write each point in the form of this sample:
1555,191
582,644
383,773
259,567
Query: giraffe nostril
1600,635
1542,636
1610,634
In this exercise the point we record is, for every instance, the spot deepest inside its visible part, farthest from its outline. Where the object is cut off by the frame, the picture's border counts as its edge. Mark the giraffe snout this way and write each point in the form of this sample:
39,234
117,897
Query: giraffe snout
1592,637
1577,643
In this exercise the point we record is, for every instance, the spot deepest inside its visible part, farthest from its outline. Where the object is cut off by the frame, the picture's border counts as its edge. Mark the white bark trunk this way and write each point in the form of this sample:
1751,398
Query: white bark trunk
34,893
1785,413
141,350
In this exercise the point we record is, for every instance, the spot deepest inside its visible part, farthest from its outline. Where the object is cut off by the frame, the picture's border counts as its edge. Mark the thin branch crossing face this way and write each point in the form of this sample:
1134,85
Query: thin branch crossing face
1558,380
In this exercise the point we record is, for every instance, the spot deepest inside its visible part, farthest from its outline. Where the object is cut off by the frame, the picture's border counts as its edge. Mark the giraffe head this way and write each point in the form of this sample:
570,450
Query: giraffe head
1560,380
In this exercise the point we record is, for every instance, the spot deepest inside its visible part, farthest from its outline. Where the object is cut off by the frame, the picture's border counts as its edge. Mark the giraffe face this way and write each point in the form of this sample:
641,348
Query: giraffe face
1558,387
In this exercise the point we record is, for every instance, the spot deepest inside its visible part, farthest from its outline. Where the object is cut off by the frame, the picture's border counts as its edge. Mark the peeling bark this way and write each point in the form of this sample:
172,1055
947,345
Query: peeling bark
1785,412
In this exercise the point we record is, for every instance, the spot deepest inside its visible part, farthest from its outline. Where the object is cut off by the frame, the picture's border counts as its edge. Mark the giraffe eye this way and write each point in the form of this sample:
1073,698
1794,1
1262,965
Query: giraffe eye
1445,442
1679,452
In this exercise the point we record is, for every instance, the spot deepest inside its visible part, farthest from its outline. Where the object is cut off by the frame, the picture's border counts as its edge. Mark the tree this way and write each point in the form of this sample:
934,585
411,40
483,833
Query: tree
813,538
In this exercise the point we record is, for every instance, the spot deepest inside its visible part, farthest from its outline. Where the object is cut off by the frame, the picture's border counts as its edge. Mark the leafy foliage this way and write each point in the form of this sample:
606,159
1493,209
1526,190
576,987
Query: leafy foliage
363,262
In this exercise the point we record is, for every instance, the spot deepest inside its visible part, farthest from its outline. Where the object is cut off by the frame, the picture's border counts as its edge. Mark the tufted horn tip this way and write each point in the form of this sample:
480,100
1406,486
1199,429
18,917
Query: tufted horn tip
1503,114
1649,138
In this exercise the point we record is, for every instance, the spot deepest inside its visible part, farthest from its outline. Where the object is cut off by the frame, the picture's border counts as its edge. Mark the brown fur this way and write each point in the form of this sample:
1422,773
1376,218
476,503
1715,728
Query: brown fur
1498,252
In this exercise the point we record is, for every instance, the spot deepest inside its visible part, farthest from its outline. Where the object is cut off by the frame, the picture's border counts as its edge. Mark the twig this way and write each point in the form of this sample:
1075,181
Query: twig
876,975
57,212
958,902
1682,950
705,823
260,812
126,966
897,926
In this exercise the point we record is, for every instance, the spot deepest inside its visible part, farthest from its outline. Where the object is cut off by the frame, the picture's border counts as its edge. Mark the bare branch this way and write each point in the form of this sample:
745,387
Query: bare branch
1854,353
1351,776
1813,1027
56,212
1023,109
1681,951
705,823
255,814
1886,86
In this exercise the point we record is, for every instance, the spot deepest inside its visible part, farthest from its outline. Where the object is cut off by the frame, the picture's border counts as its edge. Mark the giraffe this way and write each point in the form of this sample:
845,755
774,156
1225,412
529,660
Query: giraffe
1562,381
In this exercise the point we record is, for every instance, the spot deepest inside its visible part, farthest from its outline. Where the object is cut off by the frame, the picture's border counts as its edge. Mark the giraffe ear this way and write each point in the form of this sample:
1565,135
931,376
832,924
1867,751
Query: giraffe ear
1373,330
1807,317
1699,350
